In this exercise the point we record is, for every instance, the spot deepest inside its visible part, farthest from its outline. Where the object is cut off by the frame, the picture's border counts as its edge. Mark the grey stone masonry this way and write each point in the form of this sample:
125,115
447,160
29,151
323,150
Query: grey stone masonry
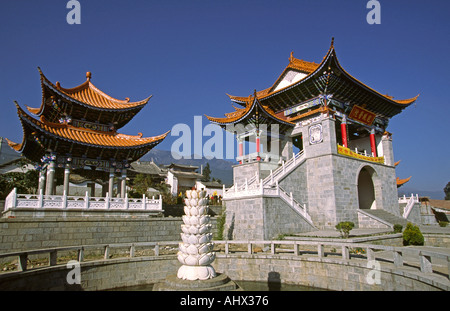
330,186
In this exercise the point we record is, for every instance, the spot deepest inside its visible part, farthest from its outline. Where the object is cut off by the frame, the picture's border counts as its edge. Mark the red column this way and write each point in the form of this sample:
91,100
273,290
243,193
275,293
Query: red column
258,148
241,150
373,145
344,132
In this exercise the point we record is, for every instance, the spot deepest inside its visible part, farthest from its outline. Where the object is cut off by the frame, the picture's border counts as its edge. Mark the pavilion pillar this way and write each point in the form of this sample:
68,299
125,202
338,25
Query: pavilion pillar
123,186
66,178
344,132
111,182
41,185
241,148
373,145
49,190
258,145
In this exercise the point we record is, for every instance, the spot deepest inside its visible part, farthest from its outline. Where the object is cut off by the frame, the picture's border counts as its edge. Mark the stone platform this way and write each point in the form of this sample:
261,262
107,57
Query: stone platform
220,283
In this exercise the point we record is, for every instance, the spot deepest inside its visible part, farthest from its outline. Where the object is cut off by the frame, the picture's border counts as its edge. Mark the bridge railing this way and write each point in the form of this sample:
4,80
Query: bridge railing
346,251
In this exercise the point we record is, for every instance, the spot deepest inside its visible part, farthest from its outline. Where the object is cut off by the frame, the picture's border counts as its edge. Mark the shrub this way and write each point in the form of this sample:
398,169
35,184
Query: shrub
344,228
443,223
412,235
398,228
221,226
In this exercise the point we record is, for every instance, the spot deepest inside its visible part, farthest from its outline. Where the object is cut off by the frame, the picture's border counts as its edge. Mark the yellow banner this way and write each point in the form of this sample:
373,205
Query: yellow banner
347,152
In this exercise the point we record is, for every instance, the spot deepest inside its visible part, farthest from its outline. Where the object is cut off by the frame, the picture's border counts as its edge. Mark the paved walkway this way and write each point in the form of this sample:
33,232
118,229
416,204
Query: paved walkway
330,233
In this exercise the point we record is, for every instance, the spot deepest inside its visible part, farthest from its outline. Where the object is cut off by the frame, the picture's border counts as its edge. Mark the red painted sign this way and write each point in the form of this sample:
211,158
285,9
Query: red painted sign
362,115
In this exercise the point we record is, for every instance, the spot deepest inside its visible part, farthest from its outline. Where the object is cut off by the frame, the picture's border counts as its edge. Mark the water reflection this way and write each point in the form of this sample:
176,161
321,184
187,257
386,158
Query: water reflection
273,284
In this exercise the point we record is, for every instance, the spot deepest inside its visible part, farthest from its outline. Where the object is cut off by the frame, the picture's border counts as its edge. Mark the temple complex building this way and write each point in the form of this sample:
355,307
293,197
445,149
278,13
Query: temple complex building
322,153
76,130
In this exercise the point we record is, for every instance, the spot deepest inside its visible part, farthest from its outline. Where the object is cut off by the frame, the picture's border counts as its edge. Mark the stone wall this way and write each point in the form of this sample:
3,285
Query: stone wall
262,218
280,218
328,273
24,234
99,275
245,219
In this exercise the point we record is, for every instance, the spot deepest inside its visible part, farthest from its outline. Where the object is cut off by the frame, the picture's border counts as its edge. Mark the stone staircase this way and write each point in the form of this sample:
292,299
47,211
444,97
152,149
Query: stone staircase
386,217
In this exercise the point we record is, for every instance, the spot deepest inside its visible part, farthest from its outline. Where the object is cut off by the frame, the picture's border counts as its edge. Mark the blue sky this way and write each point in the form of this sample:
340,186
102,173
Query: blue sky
189,54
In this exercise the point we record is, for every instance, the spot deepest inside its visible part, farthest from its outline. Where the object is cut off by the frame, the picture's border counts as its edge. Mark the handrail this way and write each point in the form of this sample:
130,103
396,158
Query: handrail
409,205
285,168
63,202
425,257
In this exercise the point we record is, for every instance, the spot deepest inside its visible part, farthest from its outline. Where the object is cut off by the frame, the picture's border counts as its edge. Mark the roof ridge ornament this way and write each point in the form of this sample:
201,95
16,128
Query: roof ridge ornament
88,76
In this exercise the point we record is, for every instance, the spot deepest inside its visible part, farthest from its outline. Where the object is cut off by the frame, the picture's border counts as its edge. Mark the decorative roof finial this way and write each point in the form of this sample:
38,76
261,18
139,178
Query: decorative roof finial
88,75
332,41
291,58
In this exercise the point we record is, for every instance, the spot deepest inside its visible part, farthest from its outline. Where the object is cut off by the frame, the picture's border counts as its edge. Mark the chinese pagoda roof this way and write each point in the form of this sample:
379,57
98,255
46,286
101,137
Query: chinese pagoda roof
67,134
301,80
86,102
253,113
401,182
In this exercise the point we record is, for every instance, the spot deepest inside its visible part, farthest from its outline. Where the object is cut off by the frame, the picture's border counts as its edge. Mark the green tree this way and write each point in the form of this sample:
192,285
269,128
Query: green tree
447,191
140,185
206,173
25,181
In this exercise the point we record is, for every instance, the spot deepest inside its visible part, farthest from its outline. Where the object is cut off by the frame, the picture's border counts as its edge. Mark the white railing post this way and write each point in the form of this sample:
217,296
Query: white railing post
64,200
292,199
144,199
107,201
12,199
278,188
126,201
160,202
86,200
261,186
41,198
271,177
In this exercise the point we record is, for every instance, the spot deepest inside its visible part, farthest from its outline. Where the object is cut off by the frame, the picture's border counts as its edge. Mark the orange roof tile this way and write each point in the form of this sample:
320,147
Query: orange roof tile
90,95
310,68
401,182
86,136
239,113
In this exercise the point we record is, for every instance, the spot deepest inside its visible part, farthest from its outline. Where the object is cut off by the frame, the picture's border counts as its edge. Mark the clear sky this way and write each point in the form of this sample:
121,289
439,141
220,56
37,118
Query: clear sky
188,54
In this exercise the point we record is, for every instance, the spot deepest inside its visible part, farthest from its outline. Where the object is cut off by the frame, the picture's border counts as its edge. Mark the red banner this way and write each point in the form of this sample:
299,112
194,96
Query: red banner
362,115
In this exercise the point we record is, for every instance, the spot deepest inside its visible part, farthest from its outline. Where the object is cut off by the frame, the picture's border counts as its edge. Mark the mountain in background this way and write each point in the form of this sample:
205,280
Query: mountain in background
435,195
220,169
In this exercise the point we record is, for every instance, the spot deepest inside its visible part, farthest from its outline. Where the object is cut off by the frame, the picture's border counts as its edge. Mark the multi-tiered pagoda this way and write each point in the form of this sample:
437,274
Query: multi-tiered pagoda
344,165
75,129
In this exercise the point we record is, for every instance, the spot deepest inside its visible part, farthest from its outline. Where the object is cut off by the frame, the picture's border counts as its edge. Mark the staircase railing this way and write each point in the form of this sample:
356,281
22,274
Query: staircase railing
284,169
410,204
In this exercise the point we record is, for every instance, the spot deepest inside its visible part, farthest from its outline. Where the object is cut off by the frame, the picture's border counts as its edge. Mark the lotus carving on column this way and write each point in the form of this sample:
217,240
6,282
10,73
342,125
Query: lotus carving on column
196,249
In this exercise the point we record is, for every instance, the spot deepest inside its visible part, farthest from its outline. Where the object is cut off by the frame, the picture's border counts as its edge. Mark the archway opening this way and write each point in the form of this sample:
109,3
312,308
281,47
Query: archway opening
366,190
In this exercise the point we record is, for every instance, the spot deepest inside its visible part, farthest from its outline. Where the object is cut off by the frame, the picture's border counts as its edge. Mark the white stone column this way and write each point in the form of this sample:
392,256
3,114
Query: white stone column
123,188
66,178
49,190
111,182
